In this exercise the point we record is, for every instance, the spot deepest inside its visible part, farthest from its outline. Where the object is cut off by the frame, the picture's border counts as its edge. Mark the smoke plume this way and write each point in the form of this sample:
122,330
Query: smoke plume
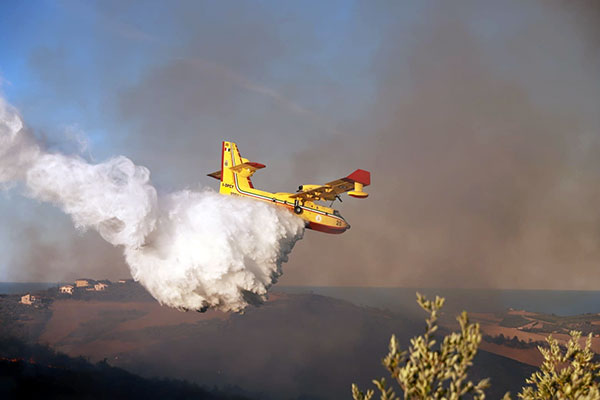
190,249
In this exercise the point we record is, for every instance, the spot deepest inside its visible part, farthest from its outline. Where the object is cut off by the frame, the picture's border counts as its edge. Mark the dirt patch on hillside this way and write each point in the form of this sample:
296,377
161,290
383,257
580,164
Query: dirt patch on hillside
91,327
527,356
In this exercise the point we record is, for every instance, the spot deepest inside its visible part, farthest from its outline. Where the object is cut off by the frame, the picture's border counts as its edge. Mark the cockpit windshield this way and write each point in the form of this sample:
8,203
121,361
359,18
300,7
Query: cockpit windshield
337,214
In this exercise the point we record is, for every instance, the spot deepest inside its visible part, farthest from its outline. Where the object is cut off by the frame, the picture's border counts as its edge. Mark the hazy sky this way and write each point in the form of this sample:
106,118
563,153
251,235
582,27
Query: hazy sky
479,121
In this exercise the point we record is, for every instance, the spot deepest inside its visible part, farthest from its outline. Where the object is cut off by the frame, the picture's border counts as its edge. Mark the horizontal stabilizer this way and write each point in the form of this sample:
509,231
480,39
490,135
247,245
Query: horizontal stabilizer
217,174
252,166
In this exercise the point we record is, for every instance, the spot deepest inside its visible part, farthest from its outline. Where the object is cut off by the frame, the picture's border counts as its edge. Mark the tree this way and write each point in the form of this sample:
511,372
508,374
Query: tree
571,374
428,371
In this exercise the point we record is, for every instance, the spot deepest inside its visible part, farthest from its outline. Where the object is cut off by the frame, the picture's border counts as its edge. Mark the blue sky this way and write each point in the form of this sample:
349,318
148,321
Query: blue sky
84,53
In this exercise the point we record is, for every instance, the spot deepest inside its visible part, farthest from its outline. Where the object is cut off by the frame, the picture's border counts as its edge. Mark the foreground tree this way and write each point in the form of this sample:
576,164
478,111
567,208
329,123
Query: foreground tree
428,371
571,374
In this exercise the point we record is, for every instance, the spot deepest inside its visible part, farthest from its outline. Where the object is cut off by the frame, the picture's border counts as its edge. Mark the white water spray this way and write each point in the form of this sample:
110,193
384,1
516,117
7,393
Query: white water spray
191,250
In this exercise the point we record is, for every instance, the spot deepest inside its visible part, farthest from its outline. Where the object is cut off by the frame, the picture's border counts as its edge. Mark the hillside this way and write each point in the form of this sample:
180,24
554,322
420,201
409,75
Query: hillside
295,346
36,371
518,333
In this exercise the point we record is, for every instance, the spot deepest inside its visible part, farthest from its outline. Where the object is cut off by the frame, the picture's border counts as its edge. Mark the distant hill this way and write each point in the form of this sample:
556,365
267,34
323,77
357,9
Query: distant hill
518,333
296,346
24,287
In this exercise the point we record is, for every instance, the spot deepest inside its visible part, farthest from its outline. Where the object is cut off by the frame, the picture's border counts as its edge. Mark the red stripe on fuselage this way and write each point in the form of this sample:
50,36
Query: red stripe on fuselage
222,158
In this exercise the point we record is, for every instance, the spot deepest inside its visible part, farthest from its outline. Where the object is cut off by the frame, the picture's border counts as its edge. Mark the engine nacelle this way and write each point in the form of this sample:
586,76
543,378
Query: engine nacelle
306,188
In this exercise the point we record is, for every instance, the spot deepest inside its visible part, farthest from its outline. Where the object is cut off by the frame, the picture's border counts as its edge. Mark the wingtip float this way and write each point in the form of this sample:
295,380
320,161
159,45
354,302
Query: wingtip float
235,180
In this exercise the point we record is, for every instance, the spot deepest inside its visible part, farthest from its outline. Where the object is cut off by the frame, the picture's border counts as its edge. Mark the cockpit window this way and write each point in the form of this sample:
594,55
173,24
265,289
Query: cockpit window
337,213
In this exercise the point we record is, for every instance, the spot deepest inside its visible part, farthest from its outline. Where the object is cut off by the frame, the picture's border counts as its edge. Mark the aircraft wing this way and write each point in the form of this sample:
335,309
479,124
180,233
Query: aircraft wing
323,192
352,183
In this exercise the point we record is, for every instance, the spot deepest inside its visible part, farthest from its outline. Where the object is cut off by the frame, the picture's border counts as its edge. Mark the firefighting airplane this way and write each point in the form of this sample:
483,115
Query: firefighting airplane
235,180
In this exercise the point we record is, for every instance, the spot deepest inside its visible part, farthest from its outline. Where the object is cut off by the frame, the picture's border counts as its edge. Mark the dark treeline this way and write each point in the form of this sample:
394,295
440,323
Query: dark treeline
514,342
37,371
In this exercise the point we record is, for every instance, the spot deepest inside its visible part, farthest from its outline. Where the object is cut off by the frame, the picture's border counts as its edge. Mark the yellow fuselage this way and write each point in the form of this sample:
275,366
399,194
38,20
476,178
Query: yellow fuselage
317,217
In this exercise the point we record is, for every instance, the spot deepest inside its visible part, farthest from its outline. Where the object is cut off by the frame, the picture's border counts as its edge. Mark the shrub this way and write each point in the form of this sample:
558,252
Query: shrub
427,371
571,374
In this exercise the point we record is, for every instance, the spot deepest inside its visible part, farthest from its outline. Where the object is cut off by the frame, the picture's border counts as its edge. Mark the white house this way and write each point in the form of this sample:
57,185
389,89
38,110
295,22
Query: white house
82,282
28,299
100,286
68,289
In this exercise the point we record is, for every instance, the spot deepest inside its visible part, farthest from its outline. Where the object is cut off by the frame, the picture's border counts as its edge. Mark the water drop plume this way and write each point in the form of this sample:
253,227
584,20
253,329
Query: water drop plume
189,249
